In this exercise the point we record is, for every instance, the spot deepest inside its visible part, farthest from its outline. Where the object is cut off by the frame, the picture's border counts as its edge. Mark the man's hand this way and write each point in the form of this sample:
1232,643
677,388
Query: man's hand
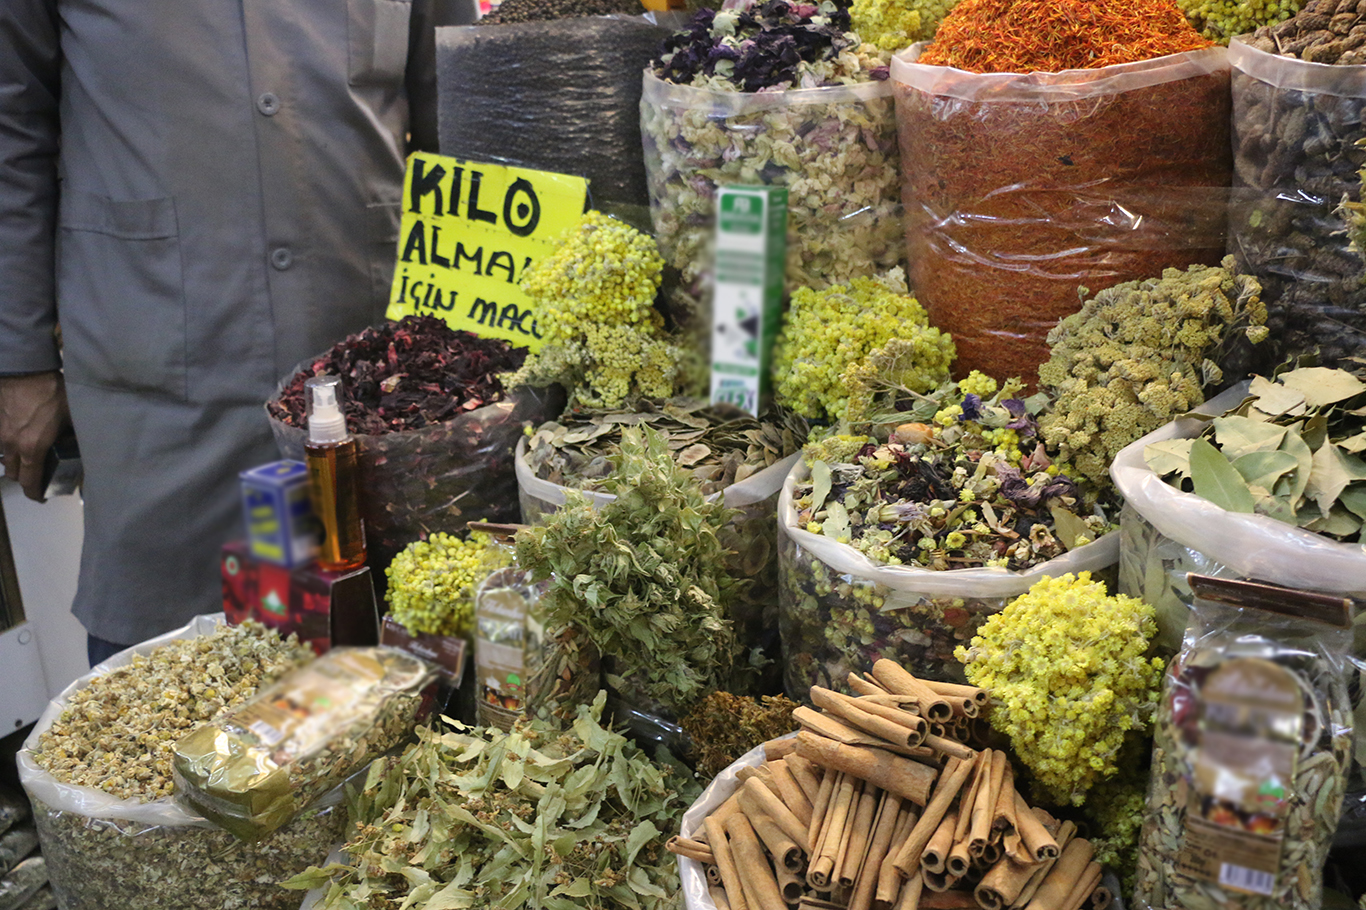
33,412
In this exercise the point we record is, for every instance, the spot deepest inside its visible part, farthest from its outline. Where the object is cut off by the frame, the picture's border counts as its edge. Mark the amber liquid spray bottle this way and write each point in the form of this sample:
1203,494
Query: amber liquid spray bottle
333,475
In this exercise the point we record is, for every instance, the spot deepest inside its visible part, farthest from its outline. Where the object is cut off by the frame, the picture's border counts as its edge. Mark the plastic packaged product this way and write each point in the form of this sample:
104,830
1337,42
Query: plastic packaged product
839,611
751,536
417,482
13,808
1020,188
1250,754
834,148
22,882
558,96
1296,126
15,844
259,765
103,852
524,670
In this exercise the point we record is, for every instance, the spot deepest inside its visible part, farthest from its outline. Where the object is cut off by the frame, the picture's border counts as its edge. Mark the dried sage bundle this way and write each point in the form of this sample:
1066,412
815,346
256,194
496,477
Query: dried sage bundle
1253,738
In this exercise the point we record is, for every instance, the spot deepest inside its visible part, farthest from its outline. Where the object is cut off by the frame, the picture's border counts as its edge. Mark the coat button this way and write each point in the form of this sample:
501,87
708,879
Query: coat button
281,258
268,104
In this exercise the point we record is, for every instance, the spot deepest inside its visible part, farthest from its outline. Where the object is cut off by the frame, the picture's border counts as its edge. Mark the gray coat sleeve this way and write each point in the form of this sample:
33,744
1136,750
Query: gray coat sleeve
420,79
30,62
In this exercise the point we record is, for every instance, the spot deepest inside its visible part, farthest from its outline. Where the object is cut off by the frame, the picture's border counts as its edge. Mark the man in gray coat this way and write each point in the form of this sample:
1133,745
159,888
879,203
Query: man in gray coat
201,193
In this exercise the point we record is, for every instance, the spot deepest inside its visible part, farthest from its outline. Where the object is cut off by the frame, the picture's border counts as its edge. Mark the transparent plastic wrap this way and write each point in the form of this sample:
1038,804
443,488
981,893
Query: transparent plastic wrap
1252,742
559,96
522,669
751,536
1296,126
437,478
1018,189
839,612
103,852
834,148
256,767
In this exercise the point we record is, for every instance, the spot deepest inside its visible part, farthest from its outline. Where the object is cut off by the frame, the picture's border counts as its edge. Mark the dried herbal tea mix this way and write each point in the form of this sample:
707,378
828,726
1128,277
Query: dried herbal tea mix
1292,451
118,733
1140,353
644,577
723,727
718,445
536,818
405,375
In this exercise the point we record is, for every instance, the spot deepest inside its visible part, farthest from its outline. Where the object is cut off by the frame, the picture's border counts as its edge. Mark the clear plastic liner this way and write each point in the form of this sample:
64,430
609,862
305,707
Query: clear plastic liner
1296,126
839,612
415,483
834,148
559,96
1018,189
1251,746
104,853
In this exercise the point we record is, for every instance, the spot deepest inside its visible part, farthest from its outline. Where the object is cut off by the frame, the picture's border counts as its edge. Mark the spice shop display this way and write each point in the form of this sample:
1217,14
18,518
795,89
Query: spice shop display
902,548
111,836
774,95
644,578
1297,125
896,24
525,668
541,817
1254,734
839,348
864,805
561,96
1021,186
256,767
1222,20
434,424
602,338
1140,353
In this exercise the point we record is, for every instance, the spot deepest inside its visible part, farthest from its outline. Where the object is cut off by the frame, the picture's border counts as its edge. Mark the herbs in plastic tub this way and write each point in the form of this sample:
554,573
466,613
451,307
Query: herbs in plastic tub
104,851
1020,188
1253,738
763,96
435,428
839,610
1296,128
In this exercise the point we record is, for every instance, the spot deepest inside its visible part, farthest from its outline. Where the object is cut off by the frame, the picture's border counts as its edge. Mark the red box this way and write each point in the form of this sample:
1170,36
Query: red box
323,608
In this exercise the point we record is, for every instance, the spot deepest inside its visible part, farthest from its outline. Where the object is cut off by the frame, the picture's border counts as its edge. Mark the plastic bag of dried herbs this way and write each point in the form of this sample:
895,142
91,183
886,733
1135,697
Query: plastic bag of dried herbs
1252,742
447,458
1296,125
13,809
1020,188
104,852
559,96
840,611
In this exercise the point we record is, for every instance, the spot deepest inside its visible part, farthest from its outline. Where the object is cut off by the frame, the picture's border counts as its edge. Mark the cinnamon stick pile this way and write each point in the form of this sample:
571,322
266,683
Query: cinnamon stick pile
880,804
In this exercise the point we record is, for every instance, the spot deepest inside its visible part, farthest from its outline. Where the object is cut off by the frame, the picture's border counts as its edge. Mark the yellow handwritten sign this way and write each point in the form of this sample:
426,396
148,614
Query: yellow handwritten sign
470,231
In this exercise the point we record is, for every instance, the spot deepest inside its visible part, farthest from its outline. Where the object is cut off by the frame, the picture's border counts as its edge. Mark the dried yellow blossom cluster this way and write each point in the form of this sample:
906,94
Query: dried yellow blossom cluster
118,733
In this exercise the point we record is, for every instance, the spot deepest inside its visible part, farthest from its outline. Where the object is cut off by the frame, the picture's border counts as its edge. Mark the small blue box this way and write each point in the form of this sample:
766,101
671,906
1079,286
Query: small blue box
281,528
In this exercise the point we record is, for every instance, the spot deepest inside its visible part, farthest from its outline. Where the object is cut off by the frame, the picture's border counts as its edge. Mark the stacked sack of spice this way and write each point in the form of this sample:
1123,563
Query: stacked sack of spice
779,93
1055,145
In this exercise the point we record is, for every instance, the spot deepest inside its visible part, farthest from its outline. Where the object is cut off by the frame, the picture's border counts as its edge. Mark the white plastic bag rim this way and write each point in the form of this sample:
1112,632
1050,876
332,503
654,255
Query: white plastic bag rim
1048,88
1253,546
982,583
755,488
88,801
1345,81
657,92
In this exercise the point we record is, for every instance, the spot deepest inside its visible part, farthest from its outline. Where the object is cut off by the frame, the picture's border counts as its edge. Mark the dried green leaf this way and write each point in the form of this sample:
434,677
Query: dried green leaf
1170,456
1295,445
1354,444
1354,500
1337,523
1069,529
1332,470
820,485
1217,480
1263,469
1239,436
1322,386
1275,400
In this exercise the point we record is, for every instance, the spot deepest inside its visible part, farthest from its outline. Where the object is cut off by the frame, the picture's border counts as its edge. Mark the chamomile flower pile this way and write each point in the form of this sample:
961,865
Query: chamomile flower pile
1069,678
602,337
432,583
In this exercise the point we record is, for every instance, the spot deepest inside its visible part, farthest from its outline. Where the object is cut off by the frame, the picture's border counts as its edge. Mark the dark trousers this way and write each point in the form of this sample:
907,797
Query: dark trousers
99,650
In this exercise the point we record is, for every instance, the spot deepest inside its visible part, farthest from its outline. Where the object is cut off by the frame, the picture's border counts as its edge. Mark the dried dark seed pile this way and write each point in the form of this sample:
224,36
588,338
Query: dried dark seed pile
1295,161
405,375
543,10
1325,31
